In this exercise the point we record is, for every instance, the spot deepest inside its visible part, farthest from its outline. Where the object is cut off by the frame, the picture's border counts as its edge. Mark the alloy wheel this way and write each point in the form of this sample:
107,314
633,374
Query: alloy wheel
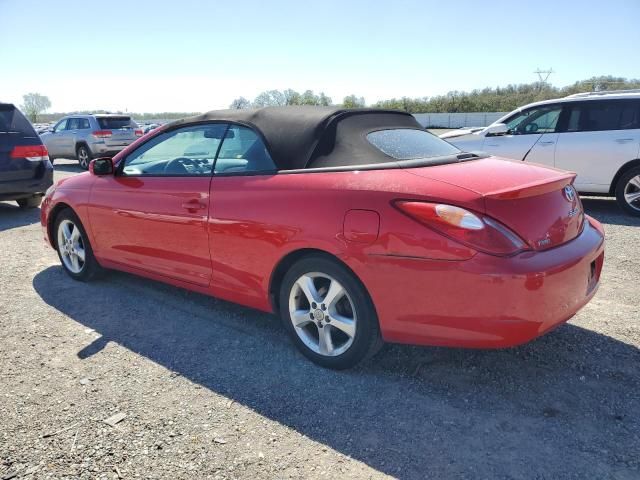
71,246
632,192
322,313
83,158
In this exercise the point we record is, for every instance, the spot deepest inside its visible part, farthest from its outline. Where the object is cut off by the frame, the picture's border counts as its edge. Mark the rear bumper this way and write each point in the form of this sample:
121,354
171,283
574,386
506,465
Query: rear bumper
484,302
100,149
11,189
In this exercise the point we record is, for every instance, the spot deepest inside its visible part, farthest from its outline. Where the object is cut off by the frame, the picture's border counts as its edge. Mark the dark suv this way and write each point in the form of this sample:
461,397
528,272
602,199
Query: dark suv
25,170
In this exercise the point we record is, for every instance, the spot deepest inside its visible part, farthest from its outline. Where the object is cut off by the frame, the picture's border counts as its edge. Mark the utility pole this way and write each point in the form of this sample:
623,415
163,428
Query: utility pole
543,76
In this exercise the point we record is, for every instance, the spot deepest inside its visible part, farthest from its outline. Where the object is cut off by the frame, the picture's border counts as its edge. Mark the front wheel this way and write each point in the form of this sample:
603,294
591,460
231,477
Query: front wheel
628,192
74,249
84,157
329,314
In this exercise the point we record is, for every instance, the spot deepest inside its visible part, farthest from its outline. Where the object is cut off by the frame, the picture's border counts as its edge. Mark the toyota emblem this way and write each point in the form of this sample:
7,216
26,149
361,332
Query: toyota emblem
569,193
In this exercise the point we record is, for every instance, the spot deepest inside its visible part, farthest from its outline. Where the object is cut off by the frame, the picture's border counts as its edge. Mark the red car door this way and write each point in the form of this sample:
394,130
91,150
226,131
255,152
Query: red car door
153,213
241,233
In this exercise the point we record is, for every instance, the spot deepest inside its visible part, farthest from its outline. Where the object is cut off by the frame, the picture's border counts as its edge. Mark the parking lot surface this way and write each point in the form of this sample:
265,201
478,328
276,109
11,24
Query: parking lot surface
208,389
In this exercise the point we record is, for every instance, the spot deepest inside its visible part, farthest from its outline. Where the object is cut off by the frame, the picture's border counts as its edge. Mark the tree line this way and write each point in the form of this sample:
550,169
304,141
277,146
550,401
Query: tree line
498,99
504,99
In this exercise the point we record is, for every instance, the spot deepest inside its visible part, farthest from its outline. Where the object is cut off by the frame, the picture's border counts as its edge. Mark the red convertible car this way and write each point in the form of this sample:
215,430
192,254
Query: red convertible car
356,226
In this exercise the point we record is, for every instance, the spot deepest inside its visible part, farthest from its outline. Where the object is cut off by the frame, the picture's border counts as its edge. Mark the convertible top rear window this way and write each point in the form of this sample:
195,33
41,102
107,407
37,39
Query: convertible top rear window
410,144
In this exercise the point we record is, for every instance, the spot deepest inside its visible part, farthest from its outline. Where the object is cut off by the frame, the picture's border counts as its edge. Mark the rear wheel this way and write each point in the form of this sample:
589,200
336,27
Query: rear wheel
74,249
84,156
628,192
328,313
30,202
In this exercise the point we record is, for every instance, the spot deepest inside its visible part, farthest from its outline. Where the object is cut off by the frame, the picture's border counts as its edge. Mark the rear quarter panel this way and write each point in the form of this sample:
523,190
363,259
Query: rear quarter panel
256,221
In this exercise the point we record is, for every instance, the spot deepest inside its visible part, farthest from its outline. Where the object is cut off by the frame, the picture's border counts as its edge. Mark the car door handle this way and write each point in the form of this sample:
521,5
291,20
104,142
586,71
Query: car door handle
624,140
194,205
548,143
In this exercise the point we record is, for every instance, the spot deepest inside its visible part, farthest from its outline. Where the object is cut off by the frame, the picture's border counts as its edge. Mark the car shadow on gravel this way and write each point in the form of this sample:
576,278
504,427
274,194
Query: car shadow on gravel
563,405
12,216
606,210
68,167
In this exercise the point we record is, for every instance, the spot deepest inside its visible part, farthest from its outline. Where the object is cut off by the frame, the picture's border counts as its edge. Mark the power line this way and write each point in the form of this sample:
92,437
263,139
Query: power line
543,73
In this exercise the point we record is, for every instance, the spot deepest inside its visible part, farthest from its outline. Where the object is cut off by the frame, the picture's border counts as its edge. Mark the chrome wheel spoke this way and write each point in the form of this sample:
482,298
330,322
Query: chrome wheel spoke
75,235
80,253
635,181
335,293
632,197
325,342
66,230
309,289
300,318
347,325
74,262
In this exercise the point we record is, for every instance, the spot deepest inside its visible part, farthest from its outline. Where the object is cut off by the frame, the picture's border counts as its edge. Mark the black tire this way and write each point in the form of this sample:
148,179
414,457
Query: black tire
624,186
91,269
367,339
30,202
83,154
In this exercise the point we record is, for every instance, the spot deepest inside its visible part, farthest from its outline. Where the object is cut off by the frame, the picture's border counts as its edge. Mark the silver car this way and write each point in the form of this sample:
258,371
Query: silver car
84,137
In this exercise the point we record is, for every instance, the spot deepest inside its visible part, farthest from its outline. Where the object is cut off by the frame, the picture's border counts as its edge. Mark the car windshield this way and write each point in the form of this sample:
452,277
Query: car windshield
410,144
116,123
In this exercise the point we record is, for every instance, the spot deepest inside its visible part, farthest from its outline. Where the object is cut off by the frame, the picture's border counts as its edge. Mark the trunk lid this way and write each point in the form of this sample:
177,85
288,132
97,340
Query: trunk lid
122,130
538,203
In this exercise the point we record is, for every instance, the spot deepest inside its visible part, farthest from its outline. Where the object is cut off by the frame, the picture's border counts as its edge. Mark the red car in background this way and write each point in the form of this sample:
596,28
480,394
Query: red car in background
356,226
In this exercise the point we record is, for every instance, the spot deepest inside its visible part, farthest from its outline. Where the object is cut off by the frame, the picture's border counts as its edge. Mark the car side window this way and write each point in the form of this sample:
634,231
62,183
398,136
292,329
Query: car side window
535,120
61,126
186,151
84,123
599,115
73,124
243,151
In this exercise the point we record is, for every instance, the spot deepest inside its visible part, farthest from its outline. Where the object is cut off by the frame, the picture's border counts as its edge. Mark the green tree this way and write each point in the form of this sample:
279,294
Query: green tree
291,97
34,104
270,98
308,98
240,103
351,101
324,100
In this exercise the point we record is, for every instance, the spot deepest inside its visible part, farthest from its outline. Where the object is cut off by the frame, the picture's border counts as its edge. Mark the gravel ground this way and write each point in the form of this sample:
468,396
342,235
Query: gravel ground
213,390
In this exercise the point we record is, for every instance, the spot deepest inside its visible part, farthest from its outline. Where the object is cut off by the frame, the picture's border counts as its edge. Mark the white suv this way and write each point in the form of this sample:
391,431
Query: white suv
596,135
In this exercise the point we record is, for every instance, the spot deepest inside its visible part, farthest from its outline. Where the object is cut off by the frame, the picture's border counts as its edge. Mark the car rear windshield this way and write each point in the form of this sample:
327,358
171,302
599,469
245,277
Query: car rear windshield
116,123
12,121
410,144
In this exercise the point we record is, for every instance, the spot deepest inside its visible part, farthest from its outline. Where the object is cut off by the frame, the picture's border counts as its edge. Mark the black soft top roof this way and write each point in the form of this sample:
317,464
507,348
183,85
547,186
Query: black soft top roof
308,136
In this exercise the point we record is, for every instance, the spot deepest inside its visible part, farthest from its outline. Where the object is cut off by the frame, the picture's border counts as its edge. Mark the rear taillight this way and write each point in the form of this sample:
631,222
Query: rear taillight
34,153
472,229
139,133
102,133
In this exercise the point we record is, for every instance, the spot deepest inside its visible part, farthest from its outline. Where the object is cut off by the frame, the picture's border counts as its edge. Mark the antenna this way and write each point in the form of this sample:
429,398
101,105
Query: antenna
543,75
